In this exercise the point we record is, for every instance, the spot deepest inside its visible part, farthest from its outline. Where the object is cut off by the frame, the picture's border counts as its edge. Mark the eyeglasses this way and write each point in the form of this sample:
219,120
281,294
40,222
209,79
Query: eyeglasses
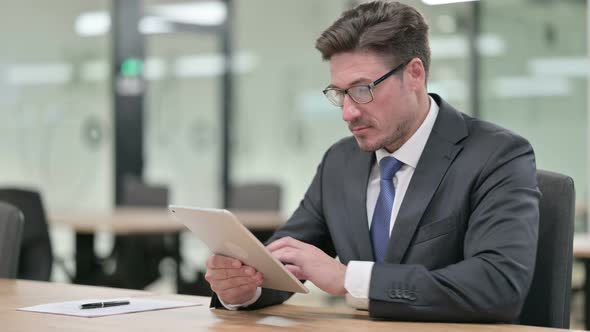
361,94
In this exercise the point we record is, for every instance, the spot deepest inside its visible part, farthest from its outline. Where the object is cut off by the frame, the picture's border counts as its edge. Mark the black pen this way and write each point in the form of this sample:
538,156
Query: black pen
96,305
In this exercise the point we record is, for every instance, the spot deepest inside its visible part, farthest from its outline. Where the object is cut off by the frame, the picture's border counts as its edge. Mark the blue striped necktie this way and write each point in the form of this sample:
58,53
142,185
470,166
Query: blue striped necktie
382,214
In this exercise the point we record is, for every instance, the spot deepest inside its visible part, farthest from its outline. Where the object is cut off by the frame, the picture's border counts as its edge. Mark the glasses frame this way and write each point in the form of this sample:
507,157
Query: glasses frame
369,86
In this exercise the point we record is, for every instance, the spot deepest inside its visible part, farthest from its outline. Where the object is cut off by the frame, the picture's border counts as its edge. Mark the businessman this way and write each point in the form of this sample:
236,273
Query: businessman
433,214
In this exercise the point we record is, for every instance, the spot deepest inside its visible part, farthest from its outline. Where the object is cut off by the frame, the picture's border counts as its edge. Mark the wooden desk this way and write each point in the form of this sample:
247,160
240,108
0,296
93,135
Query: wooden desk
582,245
145,220
15,294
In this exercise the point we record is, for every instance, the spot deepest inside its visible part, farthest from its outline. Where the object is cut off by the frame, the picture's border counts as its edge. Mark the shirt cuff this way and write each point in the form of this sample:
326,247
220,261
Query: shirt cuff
358,278
245,304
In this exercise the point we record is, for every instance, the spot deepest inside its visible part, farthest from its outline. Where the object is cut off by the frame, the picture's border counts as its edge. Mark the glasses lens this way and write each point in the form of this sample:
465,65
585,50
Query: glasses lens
361,94
336,97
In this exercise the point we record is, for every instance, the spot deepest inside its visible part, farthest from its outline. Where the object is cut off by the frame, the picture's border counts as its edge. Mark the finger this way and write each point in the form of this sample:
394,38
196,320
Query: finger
237,295
228,284
259,278
297,272
280,243
219,274
220,262
288,255
286,242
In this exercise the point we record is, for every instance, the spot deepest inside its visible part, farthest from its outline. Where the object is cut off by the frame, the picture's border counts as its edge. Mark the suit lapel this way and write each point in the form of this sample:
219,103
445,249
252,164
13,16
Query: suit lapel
439,152
358,170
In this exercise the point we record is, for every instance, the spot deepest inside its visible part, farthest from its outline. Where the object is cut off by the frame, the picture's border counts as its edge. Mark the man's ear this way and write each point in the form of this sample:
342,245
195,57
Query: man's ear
415,73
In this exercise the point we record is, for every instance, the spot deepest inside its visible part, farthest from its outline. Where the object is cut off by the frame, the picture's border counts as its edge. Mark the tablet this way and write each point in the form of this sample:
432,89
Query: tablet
221,231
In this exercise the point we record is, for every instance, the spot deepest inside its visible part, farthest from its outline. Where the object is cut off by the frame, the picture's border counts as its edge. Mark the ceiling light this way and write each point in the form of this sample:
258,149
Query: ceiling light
93,23
444,2
153,25
38,74
567,66
160,20
535,86
199,13
456,46
210,65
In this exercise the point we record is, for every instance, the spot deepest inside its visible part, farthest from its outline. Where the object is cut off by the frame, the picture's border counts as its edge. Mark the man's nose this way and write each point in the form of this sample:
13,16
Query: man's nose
350,109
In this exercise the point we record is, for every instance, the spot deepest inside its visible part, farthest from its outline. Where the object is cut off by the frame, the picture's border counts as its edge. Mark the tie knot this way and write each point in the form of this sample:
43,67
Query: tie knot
389,166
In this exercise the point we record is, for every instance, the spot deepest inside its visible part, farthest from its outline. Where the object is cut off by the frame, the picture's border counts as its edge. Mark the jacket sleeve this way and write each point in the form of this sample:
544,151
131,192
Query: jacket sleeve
499,249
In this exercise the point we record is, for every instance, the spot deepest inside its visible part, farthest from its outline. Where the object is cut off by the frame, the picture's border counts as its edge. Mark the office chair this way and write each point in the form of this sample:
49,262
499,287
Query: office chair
11,228
548,301
36,257
138,193
138,257
256,196
262,196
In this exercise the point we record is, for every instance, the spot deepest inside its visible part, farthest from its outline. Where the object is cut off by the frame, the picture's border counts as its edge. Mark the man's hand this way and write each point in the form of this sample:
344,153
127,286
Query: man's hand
310,263
231,280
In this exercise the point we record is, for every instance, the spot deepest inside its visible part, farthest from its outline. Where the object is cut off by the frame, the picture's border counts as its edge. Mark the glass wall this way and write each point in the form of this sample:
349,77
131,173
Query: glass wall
537,86
183,116
449,43
55,104
283,122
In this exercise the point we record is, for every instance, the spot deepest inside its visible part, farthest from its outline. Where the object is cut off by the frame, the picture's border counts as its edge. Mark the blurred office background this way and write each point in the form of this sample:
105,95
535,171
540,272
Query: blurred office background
520,63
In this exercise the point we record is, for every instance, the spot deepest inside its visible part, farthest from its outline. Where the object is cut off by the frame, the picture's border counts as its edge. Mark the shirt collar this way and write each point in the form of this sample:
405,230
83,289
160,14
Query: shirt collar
409,153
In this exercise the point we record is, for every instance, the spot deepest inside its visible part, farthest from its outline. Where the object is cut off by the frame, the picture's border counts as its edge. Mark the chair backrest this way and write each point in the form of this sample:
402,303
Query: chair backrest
138,193
11,228
255,196
149,249
36,258
548,301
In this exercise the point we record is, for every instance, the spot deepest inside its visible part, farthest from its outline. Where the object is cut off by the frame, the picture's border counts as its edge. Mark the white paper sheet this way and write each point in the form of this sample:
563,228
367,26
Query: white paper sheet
72,308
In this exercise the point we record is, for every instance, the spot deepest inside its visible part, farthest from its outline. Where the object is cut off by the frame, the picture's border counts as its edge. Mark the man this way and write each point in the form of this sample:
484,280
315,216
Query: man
432,214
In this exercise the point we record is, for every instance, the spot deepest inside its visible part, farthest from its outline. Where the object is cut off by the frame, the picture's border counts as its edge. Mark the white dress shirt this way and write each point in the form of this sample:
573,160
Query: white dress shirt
358,273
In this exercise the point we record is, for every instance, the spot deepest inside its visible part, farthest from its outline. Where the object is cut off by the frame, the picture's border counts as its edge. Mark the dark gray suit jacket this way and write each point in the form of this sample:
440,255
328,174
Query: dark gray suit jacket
463,245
